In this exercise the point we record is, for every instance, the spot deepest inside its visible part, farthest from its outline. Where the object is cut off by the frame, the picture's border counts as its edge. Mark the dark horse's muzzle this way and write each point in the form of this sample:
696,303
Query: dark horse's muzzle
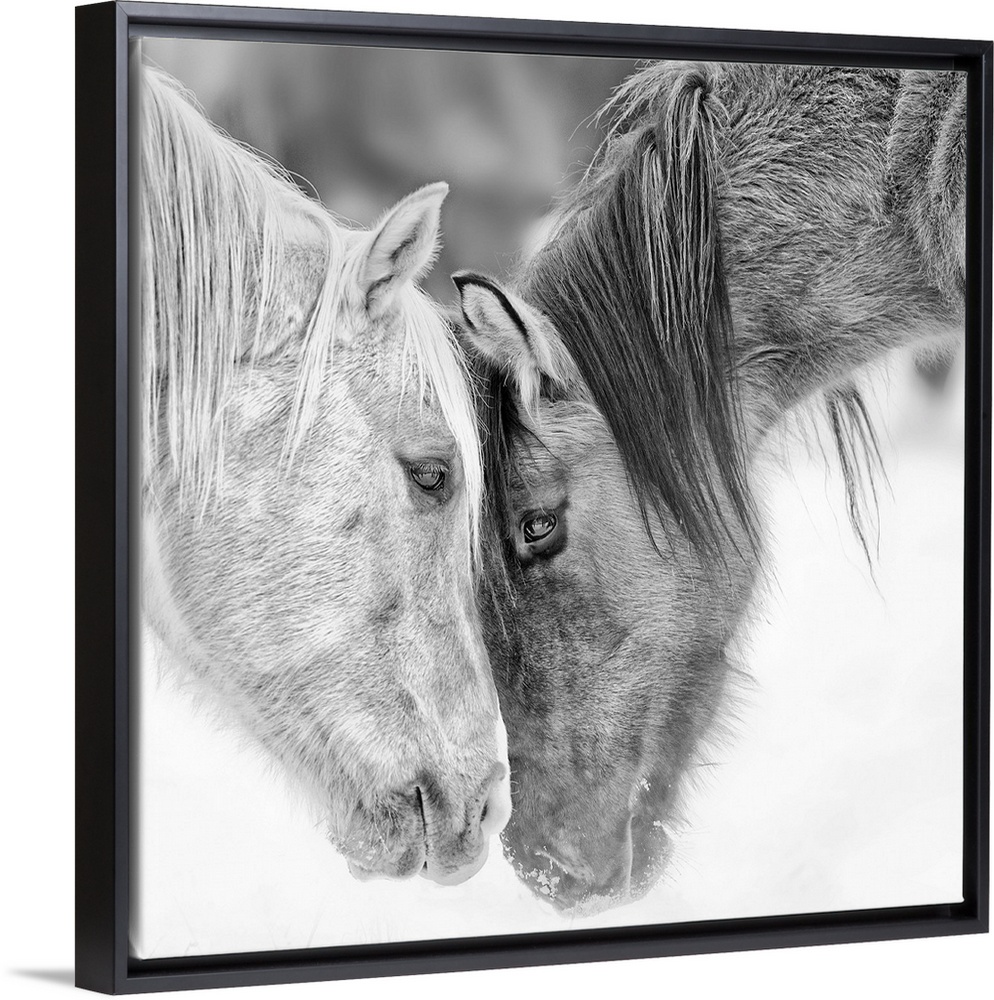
590,869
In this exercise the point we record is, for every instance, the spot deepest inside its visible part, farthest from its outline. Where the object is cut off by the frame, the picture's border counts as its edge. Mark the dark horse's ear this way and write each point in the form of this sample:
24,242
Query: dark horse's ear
515,337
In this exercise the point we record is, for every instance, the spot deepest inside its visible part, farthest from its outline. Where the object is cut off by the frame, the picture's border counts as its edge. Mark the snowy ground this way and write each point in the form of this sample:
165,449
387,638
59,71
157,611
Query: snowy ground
841,788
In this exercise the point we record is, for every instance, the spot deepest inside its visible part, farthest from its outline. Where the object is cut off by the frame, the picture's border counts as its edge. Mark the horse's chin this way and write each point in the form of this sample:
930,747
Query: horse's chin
439,874
649,849
589,906
443,876
407,869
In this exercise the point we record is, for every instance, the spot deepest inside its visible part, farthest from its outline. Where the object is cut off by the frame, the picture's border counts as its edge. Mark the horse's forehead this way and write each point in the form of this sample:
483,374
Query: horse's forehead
408,415
566,436
390,390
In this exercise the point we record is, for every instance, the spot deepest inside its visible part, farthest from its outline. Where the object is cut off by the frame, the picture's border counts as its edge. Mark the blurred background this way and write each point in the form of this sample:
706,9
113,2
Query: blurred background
365,126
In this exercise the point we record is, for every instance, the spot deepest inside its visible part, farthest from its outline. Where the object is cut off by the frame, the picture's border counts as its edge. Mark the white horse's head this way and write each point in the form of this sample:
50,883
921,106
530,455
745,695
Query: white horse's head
311,494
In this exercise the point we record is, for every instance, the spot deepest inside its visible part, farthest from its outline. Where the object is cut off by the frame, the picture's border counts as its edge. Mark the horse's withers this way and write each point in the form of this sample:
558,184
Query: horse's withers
311,488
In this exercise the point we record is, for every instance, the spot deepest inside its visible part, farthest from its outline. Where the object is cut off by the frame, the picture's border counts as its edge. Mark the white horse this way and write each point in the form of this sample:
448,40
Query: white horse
311,484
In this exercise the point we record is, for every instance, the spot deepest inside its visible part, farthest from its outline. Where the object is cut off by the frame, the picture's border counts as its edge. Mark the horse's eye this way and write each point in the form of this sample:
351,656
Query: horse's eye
536,527
430,478
540,534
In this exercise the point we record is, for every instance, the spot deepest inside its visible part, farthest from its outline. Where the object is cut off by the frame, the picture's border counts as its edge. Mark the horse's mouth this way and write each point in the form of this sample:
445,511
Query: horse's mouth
411,845
442,876
414,863
406,866
585,889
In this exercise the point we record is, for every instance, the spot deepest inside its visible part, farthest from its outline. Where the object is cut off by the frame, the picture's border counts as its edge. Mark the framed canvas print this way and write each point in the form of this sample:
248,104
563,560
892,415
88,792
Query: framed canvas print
536,498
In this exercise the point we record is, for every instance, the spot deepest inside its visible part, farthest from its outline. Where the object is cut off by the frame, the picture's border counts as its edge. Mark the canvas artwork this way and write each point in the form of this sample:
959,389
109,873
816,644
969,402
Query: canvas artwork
551,493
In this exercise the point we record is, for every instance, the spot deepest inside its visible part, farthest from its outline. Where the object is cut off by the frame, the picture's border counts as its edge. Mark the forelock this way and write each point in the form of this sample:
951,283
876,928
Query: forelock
432,355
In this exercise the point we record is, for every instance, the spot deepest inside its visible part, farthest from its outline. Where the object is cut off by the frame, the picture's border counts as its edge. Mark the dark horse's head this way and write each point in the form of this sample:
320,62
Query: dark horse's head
625,545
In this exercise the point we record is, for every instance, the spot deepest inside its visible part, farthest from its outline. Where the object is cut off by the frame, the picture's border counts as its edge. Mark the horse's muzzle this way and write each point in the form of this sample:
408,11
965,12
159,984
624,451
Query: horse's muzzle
593,870
430,831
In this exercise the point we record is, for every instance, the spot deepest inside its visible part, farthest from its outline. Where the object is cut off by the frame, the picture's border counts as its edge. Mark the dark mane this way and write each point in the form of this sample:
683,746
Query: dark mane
858,448
500,429
634,280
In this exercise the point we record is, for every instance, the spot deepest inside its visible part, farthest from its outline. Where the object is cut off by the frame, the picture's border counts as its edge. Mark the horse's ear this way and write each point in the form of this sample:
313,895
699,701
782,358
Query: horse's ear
516,338
402,246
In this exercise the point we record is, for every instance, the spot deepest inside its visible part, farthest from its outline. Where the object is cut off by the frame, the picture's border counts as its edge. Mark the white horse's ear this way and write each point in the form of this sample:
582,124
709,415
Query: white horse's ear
517,338
402,246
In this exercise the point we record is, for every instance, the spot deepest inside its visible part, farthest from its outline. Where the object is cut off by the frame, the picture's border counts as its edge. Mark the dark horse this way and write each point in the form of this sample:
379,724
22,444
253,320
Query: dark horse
747,239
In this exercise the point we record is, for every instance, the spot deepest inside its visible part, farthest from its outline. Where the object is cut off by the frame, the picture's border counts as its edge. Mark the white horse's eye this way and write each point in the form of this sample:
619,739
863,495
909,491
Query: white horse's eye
429,477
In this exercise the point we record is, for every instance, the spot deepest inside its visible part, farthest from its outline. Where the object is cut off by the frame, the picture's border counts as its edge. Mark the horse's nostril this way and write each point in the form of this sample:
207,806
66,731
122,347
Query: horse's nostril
486,809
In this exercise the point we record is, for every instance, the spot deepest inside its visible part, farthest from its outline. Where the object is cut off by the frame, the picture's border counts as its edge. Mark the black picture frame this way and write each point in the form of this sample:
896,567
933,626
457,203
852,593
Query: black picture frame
105,497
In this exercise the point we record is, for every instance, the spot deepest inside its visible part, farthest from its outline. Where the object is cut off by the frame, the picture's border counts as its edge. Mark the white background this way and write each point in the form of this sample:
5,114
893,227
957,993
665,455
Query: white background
36,396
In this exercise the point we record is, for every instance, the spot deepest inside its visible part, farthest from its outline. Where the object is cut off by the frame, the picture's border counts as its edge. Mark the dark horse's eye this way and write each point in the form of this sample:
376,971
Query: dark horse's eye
536,527
540,533
430,478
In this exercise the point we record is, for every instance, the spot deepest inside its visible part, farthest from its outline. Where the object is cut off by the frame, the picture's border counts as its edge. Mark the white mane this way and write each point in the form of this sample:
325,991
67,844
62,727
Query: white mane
217,225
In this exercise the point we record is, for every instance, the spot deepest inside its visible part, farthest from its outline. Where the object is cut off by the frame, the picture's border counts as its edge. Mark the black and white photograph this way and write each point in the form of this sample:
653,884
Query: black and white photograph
532,503
551,493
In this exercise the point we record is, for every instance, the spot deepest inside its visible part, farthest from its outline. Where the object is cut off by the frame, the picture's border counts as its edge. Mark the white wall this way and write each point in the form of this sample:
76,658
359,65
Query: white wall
36,386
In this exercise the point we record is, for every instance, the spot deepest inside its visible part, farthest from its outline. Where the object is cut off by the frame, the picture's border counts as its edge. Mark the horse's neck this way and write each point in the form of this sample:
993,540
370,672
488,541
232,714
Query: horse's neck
841,281
822,360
